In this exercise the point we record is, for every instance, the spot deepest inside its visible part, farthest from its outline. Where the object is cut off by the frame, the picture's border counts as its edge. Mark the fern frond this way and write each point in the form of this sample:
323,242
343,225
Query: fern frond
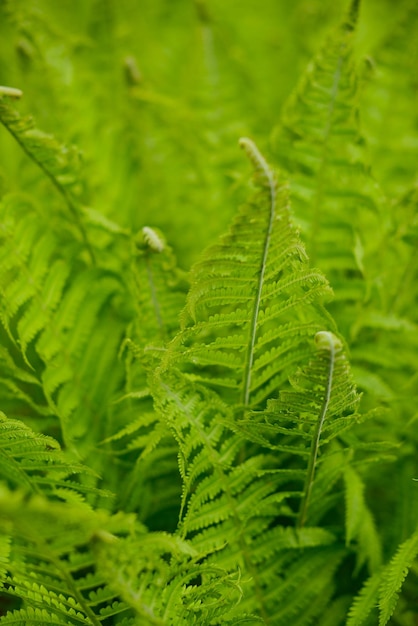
313,573
52,563
320,145
59,163
159,289
394,575
383,588
53,312
35,462
178,598
359,522
73,565
365,602
253,300
322,395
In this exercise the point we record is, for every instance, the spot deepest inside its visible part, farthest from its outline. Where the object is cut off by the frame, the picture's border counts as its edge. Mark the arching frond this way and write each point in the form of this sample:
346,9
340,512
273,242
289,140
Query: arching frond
158,287
254,299
58,162
320,145
383,588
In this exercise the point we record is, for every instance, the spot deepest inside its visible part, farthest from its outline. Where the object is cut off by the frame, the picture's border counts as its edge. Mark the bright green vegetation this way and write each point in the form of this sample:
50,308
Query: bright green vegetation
216,438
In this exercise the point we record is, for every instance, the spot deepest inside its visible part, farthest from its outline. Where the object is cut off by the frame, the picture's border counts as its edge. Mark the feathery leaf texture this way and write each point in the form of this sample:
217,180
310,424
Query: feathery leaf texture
35,462
57,162
254,300
320,406
382,589
73,565
53,315
229,507
319,144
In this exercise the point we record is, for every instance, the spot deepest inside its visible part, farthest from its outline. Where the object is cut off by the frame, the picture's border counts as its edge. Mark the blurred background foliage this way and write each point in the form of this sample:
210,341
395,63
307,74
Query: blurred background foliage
156,93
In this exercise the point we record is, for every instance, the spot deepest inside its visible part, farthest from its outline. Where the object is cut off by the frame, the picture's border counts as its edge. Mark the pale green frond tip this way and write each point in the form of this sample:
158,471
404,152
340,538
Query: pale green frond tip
10,92
153,240
325,340
255,156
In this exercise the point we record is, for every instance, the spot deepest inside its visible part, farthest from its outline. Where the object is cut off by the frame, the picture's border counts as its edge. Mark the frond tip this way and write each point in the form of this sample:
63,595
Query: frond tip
10,92
259,162
326,340
153,239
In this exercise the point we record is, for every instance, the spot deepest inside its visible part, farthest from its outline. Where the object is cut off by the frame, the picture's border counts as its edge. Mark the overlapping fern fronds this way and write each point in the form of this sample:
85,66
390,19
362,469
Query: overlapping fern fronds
231,509
51,314
35,462
241,477
72,565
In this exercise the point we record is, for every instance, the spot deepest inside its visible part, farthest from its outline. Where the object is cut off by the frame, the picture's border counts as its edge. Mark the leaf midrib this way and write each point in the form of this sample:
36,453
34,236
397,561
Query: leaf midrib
268,175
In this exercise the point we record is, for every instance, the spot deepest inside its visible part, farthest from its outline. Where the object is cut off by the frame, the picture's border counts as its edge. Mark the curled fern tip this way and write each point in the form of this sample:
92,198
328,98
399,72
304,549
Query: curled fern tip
325,340
153,240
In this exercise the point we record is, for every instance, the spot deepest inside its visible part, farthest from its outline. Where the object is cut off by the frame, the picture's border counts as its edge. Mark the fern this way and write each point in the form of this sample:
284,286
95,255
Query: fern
158,287
394,576
57,162
50,315
227,504
319,408
320,144
190,448
245,323
35,462
383,587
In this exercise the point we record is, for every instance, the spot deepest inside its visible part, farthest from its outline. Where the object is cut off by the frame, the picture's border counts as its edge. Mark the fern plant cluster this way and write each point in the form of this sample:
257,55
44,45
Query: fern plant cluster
217,437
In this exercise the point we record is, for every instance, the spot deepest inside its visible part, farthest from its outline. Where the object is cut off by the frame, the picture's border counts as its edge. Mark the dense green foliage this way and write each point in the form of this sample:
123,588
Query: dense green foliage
226,437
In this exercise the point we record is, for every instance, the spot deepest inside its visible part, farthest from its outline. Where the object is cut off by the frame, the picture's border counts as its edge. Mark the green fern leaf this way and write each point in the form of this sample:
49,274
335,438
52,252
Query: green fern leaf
160,288
320,145
322,394
53,309
36,463
253,300
73,565
393,577
365,602
36,617
59,163
360,524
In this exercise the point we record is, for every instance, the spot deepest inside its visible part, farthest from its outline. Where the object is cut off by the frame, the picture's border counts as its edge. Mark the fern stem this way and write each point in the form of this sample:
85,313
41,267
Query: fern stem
325,341
260,165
